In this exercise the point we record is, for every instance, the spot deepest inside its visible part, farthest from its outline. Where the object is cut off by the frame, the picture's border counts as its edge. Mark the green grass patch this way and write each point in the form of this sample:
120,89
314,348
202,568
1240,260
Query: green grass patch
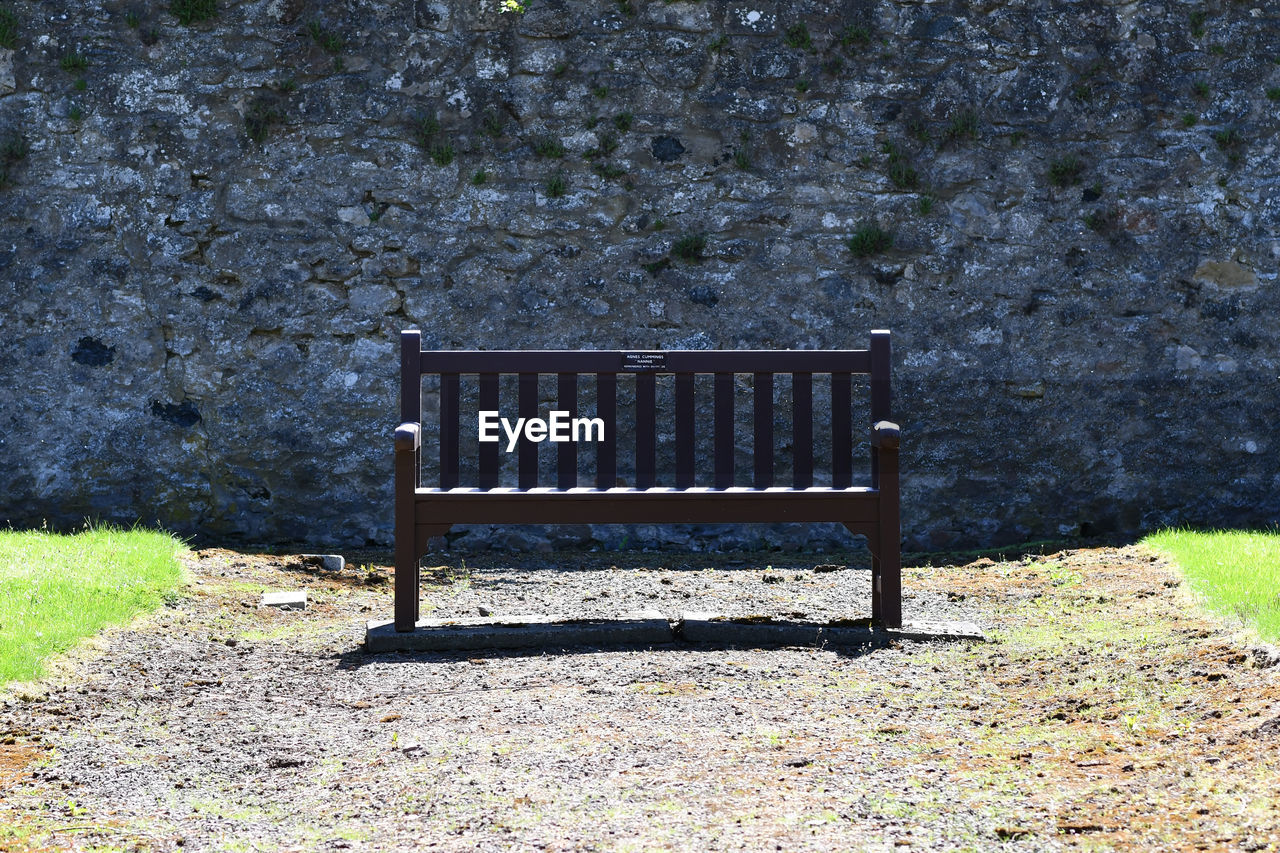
56,589
1237,572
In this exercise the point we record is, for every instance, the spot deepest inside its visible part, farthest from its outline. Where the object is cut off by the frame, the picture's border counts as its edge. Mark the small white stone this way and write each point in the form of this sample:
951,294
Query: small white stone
1186,358
294,600
354,215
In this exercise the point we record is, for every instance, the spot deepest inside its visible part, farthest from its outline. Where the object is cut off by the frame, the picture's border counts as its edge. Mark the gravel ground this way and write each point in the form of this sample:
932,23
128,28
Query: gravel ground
579,586
1104,714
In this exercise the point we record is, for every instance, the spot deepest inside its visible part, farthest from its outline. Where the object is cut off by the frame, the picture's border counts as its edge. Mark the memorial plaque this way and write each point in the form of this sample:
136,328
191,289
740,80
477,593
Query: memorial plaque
644,362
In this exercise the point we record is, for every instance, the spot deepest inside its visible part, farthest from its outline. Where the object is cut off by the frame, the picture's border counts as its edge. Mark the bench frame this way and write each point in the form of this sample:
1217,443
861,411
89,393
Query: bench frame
422,513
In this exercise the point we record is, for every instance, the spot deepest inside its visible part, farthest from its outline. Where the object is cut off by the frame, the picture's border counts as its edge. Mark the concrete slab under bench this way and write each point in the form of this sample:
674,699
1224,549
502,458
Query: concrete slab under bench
519,632
695,627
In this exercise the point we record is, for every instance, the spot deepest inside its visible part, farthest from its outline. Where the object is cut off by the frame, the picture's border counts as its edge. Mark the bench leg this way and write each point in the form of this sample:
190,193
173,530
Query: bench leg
406,581
889,536
407,593
889,581
877,603
407,550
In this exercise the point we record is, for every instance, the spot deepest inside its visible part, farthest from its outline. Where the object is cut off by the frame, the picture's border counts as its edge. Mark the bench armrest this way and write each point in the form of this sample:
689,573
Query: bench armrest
886,435
408,436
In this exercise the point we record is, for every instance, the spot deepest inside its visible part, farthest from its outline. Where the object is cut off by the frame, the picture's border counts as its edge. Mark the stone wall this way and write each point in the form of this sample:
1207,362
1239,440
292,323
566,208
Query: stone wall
213,231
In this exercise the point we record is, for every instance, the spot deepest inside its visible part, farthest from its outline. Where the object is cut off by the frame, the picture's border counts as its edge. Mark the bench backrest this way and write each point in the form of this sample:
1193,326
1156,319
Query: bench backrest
684,365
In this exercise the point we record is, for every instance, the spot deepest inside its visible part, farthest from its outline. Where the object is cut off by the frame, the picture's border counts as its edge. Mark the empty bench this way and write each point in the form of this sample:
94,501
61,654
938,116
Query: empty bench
423,512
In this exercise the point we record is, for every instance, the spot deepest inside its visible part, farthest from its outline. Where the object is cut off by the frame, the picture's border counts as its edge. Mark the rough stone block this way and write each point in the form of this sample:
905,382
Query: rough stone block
516,632
938,631
292,600
328,562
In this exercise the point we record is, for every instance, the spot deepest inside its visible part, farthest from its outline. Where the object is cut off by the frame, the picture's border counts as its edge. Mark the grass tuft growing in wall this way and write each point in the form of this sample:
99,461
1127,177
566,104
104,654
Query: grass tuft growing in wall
73,62
690,247
549,147
798,36
262,115
56,589
13,150
424,129
1103,221
1065,171
442,153
609,170
855,35
964,125
492,125
900,171
190,12
1196,20
329,41
557,186
870,239
8,29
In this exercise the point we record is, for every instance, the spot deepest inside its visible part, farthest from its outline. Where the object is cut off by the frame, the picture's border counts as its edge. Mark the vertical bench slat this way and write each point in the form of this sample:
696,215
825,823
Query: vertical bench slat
724,430
646,426
763,447
879,392
567,451
607,450
802,429
527,403
449,396
841,431
489,449
684,431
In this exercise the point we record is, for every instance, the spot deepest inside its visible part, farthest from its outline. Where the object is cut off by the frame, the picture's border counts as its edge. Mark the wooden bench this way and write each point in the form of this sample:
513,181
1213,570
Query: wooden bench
872,511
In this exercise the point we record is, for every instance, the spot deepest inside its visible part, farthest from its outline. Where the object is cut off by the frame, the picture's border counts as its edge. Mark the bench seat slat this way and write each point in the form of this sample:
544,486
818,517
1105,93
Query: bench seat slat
646,506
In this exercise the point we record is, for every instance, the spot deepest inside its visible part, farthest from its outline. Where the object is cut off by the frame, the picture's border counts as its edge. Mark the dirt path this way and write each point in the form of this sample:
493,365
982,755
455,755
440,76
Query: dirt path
1104,714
